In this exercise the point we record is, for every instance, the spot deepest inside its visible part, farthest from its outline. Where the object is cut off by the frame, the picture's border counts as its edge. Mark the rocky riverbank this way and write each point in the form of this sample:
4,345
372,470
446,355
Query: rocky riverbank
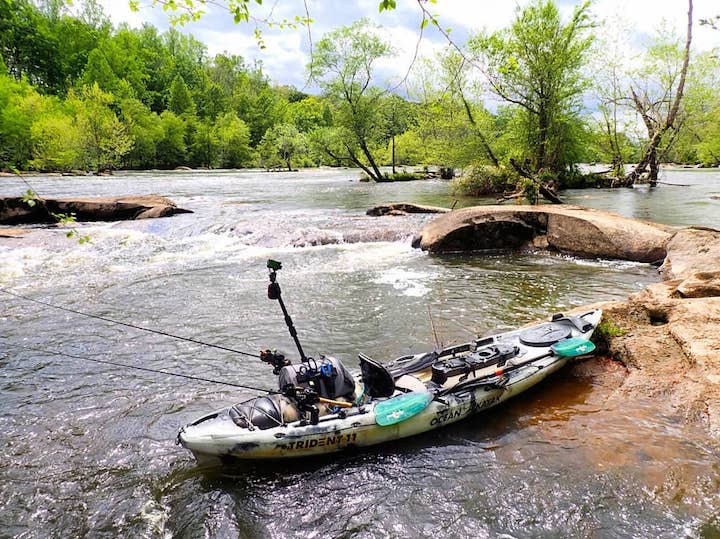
667,336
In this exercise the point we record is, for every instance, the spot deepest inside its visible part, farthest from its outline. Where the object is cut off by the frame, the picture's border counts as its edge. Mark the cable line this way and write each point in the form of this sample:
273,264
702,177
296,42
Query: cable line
104,319
146,369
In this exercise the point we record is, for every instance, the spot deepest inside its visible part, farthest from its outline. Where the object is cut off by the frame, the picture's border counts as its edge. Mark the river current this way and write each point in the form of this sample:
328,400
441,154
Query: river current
88,449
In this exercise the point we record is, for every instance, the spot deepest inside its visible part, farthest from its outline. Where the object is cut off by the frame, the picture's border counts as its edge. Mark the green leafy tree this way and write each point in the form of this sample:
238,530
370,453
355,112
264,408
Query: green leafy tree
104,139
308,114
205,145
536,65
233,137
180,101
20,104
171,148
397,117
281,144
145,128
57,143
343,65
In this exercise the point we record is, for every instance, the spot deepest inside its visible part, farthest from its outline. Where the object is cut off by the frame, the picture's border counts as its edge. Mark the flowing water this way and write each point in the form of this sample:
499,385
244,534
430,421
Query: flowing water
88,449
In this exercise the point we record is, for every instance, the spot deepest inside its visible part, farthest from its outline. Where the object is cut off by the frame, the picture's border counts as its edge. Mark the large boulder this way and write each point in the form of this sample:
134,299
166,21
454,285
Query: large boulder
692,250
572,229
15,210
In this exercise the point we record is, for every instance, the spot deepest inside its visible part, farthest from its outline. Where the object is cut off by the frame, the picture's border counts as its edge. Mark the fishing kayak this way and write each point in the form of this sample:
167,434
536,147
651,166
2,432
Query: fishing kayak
321,407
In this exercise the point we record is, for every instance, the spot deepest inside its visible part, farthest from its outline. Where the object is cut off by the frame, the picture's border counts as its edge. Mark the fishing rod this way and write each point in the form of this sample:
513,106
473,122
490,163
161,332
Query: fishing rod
127,324
146,369
331,402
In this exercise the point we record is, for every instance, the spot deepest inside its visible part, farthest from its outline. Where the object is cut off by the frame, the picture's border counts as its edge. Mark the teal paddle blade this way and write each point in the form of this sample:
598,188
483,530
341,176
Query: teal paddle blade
573,347
401,407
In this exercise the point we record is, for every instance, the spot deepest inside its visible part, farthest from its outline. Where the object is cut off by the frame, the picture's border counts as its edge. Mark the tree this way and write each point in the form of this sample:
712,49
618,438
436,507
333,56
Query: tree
104,139
180,101
536,66
171,146
281,143
233,137
658,105
145,128
56,143
397,117
343,65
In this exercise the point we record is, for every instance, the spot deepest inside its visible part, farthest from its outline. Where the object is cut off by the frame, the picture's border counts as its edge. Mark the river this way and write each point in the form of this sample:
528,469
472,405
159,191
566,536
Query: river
88,449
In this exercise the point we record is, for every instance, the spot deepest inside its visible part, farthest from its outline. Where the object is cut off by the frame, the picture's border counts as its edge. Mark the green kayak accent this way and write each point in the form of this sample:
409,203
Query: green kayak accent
401,407
573,347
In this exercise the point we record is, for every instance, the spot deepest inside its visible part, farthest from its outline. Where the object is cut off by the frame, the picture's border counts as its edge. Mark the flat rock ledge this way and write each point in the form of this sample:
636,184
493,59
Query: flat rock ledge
15,211
669,341
403,208
572,229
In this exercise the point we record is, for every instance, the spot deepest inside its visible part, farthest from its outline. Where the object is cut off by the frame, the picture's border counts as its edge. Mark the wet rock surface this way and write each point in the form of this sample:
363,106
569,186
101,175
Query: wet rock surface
572,229
403,208
667,336
15,210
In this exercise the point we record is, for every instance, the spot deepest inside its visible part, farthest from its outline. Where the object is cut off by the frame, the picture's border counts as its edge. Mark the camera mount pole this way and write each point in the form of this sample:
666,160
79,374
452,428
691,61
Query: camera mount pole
274,292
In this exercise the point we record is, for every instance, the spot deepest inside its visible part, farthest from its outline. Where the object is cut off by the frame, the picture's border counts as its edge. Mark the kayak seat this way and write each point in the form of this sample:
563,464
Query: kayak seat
423,361
409,383
376,378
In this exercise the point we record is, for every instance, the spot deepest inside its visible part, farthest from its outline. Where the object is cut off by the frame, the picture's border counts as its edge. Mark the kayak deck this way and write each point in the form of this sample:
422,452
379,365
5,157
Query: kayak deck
410,395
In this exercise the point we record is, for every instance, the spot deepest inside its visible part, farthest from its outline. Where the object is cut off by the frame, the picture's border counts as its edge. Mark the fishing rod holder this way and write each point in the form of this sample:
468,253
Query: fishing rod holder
275,359
306,399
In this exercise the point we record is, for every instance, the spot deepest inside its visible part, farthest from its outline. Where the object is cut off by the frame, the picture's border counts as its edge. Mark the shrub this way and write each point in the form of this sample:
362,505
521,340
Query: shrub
484,180
404,176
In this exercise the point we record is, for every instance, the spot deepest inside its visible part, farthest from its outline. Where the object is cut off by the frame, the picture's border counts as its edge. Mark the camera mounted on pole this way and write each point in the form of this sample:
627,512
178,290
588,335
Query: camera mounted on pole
274,292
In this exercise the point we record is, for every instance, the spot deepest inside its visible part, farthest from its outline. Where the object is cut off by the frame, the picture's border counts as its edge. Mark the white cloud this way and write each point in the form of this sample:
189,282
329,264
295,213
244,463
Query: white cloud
287,51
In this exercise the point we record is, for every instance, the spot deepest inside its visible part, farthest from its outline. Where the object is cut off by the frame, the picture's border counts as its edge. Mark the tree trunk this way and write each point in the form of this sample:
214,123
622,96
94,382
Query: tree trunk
488,150
650,154
543,188
377,176
393,154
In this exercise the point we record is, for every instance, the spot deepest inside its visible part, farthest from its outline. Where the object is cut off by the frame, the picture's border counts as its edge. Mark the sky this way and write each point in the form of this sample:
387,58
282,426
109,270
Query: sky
287,51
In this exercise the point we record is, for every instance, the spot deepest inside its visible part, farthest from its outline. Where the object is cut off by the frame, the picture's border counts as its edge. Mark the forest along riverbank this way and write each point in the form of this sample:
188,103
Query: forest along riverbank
352,284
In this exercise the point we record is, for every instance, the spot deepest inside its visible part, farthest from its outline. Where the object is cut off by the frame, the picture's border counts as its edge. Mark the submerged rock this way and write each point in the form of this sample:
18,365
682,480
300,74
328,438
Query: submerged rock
402,208
14,210
572,229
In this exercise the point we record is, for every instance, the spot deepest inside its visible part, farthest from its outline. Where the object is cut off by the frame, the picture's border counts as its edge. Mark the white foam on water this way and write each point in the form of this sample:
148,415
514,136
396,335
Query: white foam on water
407,282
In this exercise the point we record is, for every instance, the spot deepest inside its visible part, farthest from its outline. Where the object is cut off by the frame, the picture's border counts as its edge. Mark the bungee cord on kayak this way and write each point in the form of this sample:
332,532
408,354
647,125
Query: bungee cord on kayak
127,324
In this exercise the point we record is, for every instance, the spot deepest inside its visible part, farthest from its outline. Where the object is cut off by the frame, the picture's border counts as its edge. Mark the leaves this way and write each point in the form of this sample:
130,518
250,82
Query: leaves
30,198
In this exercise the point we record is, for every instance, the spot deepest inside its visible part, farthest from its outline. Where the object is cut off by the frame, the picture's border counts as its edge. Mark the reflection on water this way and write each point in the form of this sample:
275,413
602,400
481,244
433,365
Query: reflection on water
89,448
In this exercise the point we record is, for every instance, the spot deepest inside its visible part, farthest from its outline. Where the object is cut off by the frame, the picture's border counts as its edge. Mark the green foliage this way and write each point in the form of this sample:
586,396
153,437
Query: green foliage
171,147
281,144
57,143
233,137
77,93
403,176
484,180
343,65
607,330
103,138
180,101
536,65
